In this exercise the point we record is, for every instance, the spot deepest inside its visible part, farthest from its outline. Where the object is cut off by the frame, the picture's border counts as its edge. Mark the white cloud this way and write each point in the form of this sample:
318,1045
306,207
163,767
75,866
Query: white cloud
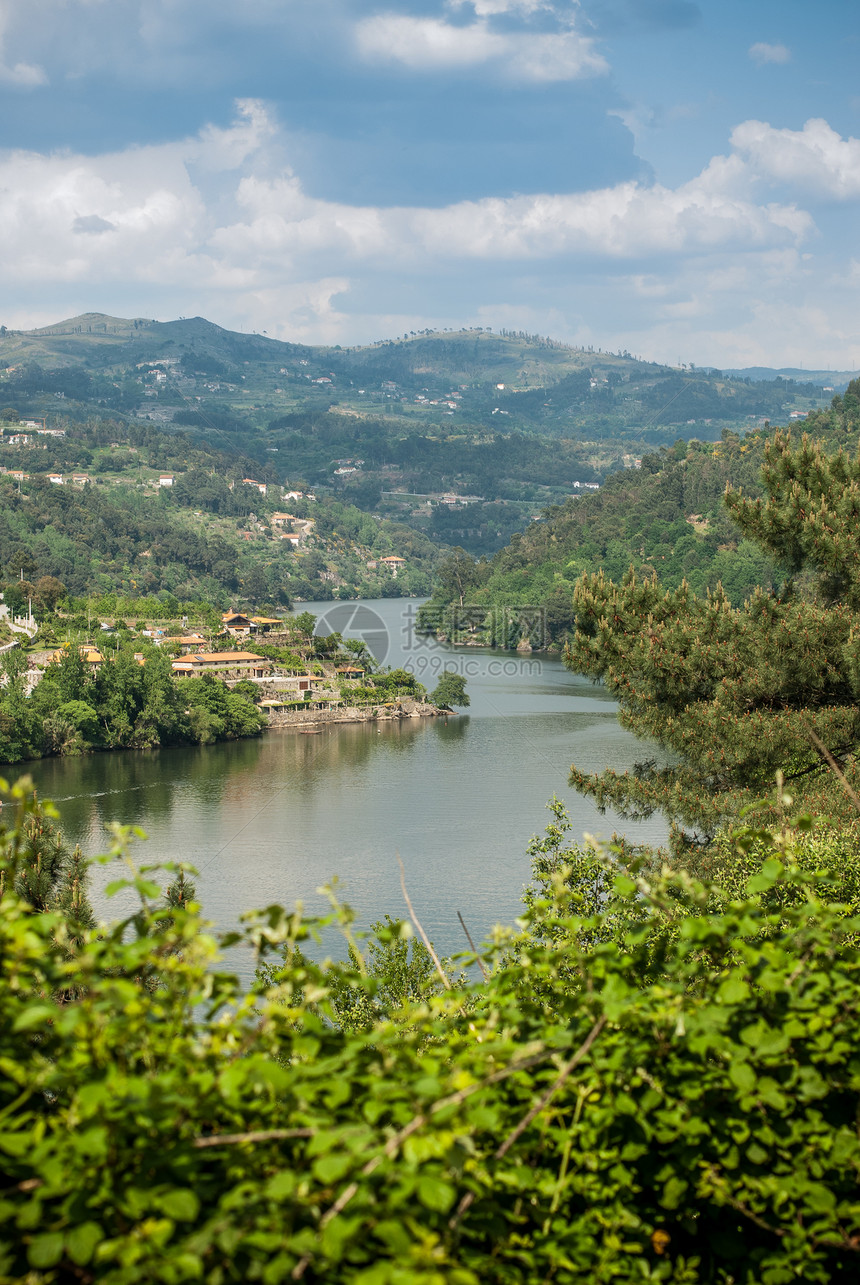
626,220
299,311
152,216
216,224
430,44
762,53
427,43
815,157
26,75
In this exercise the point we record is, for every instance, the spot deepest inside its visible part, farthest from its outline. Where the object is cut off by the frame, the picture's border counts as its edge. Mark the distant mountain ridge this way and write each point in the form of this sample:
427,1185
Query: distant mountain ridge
838,380
466,435
146,332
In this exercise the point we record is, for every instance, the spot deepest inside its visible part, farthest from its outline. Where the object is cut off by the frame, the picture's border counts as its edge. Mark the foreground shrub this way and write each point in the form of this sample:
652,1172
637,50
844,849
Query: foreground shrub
658,1084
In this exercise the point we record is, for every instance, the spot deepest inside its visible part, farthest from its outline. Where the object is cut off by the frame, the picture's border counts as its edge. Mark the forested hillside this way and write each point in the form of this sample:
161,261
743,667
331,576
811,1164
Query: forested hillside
463,435
207,535
667,517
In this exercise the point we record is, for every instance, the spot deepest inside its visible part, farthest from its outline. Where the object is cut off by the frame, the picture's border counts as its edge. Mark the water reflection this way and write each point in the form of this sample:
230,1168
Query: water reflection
458,798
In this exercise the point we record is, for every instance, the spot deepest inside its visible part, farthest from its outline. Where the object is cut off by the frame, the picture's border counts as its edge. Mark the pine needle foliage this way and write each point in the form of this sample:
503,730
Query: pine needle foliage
731,695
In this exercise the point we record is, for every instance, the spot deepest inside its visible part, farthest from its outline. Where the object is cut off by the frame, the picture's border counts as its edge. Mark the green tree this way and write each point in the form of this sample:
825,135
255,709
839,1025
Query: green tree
49,591
45,874
729,695
457,573
61,735
14,598
450,690
305,622
83,717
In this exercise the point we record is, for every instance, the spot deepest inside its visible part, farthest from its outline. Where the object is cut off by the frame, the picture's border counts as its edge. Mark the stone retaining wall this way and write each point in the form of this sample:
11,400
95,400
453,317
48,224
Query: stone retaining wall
350,714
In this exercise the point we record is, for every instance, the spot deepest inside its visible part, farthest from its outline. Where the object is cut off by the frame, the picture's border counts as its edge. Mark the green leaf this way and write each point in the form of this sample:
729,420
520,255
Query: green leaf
435,1194
820,1199
146,888
81,1242
624,887
673,1191
281,1186
46,1250
734,990
34,1015
331,1167
117,885
182,1205
742,1076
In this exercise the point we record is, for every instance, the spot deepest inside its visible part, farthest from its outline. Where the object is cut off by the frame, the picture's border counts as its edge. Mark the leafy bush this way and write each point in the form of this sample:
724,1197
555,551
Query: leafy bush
656,1085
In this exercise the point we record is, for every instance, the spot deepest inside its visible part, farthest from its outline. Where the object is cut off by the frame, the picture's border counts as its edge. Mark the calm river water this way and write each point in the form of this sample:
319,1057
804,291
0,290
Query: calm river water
274,818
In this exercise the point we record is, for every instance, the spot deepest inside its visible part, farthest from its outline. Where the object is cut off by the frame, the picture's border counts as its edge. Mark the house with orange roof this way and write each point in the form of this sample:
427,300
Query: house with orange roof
89,654
185,642
242,664
393,563
237,625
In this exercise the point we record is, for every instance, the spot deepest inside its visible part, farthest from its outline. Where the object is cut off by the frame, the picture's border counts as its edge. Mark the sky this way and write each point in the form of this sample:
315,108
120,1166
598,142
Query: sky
675,178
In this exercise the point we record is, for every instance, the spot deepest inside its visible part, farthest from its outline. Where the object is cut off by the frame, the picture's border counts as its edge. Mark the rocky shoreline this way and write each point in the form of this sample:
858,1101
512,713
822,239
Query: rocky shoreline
354,714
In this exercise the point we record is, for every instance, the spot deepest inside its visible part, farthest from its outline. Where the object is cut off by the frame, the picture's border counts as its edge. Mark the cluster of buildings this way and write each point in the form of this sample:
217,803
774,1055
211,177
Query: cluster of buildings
25,431
57,479
197,658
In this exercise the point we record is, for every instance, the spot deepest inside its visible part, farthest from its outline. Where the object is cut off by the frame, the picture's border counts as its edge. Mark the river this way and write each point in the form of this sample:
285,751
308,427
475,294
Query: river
272,819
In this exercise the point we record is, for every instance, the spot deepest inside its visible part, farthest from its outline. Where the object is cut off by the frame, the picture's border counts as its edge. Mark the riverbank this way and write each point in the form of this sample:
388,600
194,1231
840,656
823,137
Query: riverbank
271,818
353,714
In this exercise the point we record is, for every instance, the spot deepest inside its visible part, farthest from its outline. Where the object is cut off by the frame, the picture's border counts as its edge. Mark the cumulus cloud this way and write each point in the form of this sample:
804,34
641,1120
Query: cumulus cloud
626,220
249,222
762,53
428,44
218,225
815,157
26,75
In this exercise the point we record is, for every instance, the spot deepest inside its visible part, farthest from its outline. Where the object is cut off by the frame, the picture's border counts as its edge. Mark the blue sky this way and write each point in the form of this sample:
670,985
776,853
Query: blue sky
680,178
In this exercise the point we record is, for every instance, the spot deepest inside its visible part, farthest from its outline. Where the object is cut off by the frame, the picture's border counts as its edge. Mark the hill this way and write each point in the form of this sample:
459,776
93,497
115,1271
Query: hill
464,435
830,380
666,517
136,510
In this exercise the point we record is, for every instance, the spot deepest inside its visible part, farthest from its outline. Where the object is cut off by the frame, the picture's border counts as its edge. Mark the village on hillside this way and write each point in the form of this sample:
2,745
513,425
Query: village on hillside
290,674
